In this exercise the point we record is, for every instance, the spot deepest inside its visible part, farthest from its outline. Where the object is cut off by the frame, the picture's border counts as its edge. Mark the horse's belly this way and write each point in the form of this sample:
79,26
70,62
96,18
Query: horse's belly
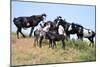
60,37
86,35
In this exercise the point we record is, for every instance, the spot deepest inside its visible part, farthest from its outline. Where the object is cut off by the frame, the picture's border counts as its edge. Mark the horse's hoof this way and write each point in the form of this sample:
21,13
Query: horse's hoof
40,46
24,36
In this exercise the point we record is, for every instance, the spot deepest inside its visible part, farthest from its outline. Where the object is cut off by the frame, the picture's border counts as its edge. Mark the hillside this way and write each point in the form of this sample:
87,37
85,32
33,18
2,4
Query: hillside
23,52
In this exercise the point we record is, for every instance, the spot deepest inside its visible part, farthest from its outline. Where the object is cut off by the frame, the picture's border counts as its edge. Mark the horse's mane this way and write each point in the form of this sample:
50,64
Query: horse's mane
35,15
77,24
65,22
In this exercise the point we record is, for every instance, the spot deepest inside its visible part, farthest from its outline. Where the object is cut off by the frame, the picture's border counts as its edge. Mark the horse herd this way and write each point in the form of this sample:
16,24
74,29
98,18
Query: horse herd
50,30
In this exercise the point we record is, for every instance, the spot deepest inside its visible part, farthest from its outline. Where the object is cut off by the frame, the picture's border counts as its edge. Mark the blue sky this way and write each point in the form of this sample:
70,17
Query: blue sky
84,15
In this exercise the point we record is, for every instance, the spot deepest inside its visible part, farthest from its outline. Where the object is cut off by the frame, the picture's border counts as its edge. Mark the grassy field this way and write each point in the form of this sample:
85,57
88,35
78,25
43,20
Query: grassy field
24,53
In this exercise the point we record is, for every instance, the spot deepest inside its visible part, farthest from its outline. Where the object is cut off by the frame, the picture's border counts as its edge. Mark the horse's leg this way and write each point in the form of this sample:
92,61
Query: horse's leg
50,43
17,33
35,41
93,45
20,30
91,41
67,36
80,37
40,41
53,44
63,44
31,32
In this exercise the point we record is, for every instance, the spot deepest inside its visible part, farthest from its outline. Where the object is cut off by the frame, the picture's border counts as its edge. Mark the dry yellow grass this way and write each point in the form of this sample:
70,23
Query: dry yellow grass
24,53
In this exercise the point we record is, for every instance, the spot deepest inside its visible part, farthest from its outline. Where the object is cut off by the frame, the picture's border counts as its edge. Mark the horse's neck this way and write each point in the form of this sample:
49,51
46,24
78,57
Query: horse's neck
64,25
36,20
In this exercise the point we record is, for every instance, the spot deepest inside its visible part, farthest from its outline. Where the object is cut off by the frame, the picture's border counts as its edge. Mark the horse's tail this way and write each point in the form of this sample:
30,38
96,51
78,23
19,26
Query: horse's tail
94,34
14,20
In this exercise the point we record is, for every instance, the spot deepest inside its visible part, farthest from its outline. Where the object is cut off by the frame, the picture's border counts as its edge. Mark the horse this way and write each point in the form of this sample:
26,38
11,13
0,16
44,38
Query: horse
53,37
84,33
27,22
50,34
40,33
66,25
73,28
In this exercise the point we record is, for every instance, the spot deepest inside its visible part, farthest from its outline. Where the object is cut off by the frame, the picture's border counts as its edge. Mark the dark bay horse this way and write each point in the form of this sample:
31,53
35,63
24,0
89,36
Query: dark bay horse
26,22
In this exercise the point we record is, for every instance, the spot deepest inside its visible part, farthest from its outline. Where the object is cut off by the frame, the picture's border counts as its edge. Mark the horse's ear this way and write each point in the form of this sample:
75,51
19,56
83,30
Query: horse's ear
41,25
72,23
44,14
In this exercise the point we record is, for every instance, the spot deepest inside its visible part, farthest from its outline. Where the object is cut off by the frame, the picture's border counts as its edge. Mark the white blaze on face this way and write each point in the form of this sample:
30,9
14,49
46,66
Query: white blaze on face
44,17
70,28
46,28
62,18
28,24
57,23
87,33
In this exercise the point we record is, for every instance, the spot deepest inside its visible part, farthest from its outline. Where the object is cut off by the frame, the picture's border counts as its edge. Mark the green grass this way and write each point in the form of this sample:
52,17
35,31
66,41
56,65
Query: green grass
75,51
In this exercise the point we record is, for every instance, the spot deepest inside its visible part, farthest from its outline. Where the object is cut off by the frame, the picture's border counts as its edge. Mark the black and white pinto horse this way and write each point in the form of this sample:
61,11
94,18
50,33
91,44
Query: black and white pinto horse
84,33
40,33
72,28
49,31
66,25
26,22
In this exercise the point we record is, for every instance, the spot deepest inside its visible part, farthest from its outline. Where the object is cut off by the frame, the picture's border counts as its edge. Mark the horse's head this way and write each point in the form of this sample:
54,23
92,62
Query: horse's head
59,21
43,17
39,18
47,26
47,23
